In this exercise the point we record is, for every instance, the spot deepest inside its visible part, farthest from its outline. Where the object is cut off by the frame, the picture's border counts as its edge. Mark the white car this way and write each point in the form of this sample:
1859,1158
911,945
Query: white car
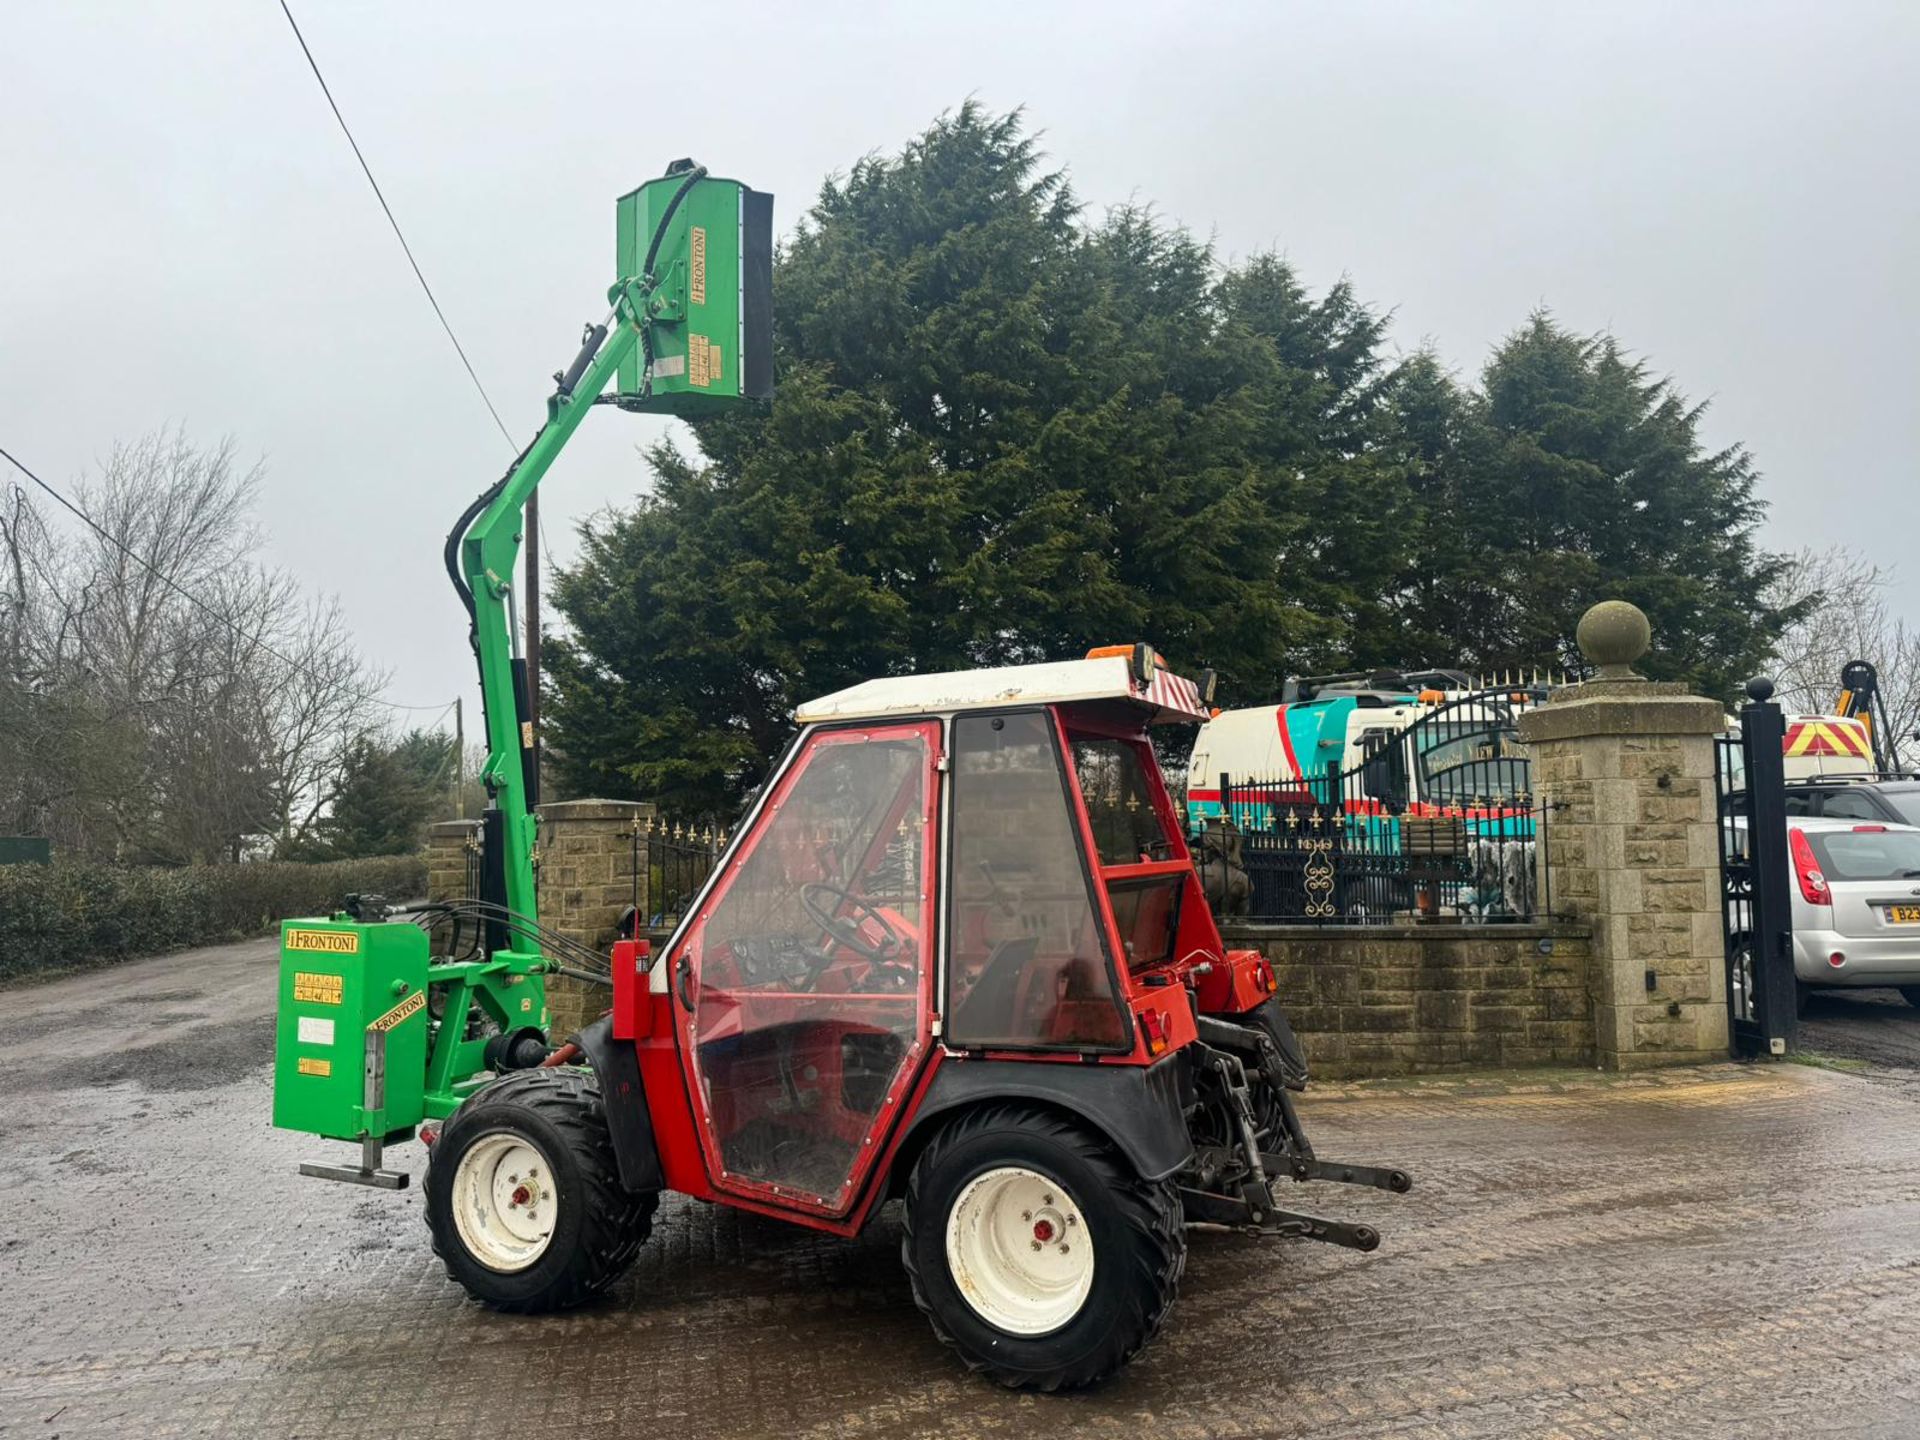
1856,904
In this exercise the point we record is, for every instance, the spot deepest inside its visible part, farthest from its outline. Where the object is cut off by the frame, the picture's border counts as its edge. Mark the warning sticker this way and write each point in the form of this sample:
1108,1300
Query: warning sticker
326,942
699,361
317,989
310,1066
312,1030
412,1005
697,272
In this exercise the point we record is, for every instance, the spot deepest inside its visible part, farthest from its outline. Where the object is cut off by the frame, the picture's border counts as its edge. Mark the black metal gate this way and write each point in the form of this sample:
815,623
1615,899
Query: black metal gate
1756,909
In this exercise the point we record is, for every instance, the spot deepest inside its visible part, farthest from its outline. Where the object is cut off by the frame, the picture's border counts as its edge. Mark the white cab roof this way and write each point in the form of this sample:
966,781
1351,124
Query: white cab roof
1061,681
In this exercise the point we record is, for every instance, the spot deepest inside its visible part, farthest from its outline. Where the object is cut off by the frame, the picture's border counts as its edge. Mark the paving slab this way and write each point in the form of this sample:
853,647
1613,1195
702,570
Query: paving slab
1729,1250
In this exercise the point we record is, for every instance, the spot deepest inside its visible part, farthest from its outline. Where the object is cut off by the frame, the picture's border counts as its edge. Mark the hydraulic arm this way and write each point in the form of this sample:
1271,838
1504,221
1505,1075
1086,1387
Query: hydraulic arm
1860,696
374,1033
688,333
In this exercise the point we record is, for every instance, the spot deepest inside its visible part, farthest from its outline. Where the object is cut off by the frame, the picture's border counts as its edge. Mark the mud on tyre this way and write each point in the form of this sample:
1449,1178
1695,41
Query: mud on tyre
523,1195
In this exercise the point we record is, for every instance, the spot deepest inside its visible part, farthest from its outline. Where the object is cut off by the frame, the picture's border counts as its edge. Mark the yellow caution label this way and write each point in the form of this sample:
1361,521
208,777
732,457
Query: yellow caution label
697,275
325,942
699,361
310,1066
317,989
412,1005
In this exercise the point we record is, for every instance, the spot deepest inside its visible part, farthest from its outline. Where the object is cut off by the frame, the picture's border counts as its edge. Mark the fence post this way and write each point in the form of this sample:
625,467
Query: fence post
1763,736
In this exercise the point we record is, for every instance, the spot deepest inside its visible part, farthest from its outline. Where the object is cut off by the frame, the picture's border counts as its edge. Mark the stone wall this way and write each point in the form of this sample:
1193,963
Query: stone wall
1416,999
584,877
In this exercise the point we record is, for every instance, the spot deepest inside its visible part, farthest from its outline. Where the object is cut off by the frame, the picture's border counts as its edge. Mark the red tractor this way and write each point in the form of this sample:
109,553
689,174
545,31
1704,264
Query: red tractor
957,954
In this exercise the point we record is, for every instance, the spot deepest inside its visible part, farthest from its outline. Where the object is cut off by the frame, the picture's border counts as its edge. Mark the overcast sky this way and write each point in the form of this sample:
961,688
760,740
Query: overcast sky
184,235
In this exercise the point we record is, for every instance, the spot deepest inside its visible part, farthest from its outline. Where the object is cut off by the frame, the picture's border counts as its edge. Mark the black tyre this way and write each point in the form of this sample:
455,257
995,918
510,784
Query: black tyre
1911,994
524,1197
1036,1251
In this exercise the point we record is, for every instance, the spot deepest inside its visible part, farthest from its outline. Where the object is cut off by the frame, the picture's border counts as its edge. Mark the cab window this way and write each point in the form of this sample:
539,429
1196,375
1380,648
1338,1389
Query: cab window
1028,964
1145,883
1113,783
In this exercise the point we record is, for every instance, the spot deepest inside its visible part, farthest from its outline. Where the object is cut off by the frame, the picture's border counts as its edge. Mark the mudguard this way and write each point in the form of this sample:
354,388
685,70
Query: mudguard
617,1064
1140,1108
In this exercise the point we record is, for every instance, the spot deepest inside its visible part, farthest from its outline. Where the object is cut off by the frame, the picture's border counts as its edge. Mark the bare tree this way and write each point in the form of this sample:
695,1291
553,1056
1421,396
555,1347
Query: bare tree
1851,619
164,695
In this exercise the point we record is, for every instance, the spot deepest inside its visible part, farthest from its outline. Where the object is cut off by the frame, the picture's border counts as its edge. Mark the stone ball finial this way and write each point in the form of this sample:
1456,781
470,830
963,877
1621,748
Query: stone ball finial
1614,634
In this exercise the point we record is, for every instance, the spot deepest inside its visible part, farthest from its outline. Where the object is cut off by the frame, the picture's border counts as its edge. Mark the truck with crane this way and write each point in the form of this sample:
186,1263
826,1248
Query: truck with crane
956,954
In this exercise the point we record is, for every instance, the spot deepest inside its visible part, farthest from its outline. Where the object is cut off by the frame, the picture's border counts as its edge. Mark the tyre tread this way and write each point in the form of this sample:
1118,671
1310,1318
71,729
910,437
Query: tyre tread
1153,1215
615,1223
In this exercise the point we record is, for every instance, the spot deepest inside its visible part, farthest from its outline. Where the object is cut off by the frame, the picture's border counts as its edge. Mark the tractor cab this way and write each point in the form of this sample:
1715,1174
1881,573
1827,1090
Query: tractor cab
983,865
956,955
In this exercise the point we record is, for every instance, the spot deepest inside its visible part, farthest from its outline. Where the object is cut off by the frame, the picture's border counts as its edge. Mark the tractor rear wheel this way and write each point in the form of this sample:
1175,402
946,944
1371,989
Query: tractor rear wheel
1036,1251
524,1197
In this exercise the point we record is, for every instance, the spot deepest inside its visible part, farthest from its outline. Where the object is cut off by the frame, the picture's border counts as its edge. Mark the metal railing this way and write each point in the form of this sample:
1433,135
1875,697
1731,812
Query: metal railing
671,861
1438,821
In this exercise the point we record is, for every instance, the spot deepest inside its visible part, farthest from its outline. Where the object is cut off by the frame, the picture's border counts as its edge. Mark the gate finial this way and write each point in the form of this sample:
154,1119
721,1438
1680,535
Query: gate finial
1614,634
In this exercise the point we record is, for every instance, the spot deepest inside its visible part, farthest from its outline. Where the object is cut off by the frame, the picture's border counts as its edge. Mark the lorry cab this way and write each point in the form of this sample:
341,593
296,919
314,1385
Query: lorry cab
1396,748
943,873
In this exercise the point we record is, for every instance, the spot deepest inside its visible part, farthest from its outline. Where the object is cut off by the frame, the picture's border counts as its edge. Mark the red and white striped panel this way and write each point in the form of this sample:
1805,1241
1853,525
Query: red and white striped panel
1175,695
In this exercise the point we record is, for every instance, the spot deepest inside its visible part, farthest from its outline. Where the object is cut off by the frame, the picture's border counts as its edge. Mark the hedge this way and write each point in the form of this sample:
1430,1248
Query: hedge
54,917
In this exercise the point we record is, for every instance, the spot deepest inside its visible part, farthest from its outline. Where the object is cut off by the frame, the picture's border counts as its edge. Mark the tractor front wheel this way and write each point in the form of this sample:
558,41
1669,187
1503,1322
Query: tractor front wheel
524,1197
1036,1251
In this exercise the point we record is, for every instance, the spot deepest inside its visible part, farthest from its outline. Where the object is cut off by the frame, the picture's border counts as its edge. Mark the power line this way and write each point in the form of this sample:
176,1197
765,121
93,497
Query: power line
367,170
179,589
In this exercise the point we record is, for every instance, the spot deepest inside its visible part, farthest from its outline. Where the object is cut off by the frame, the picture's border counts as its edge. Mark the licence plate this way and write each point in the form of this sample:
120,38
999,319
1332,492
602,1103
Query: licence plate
1904,914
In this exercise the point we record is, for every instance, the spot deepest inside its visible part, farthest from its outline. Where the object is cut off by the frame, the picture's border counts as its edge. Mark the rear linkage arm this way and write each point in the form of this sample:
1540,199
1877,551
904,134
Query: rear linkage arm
1252,1211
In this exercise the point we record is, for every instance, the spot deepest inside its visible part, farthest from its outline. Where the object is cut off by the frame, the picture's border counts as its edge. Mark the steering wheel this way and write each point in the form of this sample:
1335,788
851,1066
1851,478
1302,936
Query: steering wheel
850,930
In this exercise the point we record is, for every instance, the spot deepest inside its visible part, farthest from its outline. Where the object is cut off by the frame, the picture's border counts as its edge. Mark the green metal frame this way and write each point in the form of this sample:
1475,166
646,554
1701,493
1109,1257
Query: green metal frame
488,555
696,228
691,327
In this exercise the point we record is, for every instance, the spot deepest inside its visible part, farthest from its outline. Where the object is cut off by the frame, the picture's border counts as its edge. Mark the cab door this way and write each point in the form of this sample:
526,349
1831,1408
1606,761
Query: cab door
802,988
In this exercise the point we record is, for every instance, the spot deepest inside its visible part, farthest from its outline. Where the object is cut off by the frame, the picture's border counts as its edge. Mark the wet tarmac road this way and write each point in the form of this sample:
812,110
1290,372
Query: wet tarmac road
1877,1027
1725,1251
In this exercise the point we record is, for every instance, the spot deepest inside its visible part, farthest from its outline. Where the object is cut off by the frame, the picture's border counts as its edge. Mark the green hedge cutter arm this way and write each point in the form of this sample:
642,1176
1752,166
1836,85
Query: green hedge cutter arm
694,312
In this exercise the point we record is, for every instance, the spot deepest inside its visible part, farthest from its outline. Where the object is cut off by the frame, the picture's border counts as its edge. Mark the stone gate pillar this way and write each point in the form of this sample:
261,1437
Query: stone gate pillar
1628,766
587,870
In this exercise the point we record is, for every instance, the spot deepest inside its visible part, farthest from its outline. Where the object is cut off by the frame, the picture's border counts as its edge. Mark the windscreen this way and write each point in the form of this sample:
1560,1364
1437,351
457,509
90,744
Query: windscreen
1468,761
1907,802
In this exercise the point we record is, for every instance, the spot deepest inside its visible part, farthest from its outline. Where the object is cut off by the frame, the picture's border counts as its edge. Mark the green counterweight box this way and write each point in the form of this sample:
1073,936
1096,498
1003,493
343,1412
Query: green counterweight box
712,305
342,982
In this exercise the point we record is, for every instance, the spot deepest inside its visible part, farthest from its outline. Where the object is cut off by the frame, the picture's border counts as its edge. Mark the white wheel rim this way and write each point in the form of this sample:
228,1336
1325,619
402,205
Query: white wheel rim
1019,1251
503,1202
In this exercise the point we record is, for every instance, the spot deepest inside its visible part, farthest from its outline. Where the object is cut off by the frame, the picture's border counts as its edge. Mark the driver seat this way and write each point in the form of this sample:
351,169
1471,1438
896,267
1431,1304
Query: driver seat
987,1012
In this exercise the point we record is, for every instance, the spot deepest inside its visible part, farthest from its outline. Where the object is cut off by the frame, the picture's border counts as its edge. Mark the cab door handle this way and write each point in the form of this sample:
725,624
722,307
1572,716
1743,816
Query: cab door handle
682,976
